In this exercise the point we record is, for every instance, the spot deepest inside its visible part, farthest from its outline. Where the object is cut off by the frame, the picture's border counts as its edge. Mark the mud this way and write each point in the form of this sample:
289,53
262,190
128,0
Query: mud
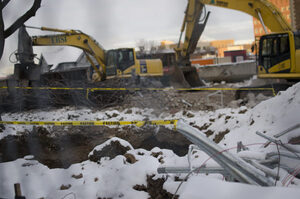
112,150
59,148
155,188
220,136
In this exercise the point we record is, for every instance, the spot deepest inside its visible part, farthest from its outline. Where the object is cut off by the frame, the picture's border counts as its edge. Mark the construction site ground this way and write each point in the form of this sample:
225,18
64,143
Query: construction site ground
64,146
79,141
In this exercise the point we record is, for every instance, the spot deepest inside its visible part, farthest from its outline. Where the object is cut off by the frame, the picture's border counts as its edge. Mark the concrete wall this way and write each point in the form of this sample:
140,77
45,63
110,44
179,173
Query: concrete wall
233,72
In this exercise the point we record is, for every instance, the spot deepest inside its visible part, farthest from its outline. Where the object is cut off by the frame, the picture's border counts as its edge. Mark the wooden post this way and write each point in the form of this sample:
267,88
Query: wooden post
18,192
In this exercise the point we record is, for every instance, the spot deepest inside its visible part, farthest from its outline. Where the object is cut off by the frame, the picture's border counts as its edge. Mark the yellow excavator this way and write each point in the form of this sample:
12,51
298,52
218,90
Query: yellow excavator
116,63
279,50
116,68
122,63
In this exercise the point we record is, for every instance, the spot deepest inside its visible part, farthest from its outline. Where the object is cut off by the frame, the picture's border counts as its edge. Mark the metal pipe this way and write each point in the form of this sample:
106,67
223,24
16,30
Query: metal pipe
176,170
191,148
289,148
287,130
266,170
235,166
283,153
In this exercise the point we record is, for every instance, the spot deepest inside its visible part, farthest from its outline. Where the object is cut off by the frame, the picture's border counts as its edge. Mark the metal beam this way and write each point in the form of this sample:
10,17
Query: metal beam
234,165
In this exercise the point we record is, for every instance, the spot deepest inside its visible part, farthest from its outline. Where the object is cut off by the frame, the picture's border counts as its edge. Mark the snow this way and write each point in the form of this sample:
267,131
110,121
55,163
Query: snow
109,178
115,178
204,187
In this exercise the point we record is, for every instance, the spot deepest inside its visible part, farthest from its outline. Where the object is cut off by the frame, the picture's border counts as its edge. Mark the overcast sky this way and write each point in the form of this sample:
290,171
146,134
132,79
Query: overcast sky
119,23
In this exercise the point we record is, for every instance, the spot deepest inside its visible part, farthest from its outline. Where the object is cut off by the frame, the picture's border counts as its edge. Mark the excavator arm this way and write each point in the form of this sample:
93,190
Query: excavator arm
263,10
193,30
76,39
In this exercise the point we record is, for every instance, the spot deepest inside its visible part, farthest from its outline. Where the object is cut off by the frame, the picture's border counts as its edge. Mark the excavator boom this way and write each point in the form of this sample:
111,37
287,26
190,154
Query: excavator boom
75,39
115,63
193,29
263,10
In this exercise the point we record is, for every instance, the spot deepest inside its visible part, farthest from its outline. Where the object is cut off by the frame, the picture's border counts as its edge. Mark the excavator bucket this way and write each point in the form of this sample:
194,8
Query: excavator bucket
191,76
183,77
176,77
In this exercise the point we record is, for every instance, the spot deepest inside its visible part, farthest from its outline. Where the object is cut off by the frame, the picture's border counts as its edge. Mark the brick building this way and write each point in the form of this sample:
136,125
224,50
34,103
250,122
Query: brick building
295,14
284,8
221,46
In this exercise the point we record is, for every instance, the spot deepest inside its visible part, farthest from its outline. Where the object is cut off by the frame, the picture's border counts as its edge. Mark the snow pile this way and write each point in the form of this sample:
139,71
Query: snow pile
106,179
270,117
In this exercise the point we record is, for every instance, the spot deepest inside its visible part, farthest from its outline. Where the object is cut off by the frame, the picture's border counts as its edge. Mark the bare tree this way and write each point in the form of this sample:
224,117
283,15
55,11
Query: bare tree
5,33
152,47
142,45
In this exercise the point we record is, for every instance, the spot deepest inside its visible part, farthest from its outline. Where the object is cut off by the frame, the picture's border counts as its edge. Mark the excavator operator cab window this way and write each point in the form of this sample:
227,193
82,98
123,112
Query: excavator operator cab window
118,59
274,49
111,62
125,59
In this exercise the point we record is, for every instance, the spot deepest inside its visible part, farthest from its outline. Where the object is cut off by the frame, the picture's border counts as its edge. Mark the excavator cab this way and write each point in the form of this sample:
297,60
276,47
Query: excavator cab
278,55
119,60
274,53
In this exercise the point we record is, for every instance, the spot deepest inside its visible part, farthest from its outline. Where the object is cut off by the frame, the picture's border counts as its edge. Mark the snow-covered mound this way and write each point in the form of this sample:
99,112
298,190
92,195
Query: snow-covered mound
229,126
118,178
109,178
270,117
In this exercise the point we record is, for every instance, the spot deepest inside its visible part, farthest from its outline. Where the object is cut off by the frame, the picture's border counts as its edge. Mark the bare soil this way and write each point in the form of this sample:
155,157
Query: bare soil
62,148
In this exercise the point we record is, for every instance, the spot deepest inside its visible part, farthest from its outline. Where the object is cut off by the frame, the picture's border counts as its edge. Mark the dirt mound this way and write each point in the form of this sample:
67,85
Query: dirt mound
155,188
111,150
59,148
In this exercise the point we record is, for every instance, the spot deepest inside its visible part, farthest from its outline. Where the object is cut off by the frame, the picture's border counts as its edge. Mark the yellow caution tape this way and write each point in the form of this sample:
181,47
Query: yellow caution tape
94,123
150,89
